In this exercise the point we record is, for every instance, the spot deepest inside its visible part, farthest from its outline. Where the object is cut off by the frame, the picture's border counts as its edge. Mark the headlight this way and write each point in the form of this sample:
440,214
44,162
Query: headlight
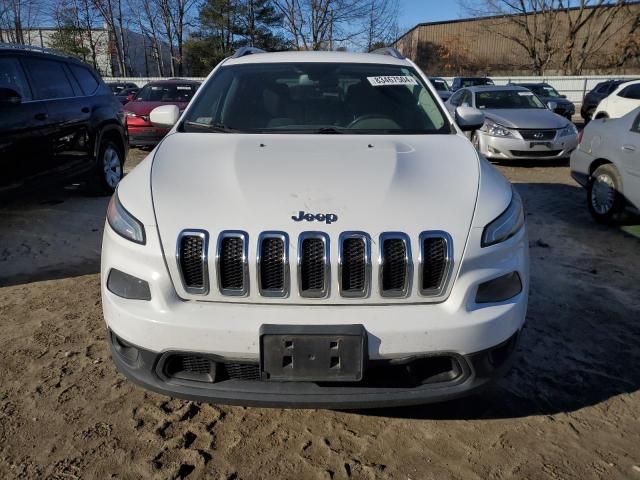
123,223
507,224
495,129
569,130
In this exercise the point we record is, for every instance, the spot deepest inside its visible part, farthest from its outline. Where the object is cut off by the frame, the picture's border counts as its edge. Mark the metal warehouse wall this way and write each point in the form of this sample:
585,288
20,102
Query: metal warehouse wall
474,46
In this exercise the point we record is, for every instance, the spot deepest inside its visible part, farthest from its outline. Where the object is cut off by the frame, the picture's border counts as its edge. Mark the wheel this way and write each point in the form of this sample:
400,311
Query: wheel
109,168
588,116
602,115
603,193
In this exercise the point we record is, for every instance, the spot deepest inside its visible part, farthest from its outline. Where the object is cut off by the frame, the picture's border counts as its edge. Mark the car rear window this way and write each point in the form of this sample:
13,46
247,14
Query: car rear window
49,79
163,92
317,97
85,78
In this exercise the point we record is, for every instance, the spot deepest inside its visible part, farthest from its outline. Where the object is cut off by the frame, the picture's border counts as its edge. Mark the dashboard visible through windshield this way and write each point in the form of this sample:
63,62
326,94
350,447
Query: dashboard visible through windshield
316,97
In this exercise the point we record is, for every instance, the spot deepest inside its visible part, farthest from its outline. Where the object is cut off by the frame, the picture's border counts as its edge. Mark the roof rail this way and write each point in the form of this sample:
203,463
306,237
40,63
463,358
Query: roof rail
35,48
389,51
242,51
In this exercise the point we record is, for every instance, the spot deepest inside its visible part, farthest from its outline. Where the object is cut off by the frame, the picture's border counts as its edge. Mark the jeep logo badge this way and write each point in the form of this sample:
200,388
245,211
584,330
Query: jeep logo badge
328,218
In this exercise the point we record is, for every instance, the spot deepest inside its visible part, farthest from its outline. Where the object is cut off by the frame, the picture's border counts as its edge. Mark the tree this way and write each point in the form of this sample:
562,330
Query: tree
69,36
321,24
381,27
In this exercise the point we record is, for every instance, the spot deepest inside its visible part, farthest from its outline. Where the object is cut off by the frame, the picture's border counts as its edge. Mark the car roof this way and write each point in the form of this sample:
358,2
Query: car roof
33,51
475,78
495,88
529,84
319,57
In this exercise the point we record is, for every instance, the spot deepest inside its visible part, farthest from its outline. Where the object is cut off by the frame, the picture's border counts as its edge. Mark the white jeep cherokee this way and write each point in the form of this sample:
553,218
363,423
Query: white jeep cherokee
315,231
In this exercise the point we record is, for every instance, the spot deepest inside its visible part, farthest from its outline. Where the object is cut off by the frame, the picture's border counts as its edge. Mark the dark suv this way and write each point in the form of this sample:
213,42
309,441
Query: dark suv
58,120
596,95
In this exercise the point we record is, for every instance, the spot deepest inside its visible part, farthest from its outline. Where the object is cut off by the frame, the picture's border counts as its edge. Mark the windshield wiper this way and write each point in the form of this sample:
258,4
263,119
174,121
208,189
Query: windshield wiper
327,130
211,127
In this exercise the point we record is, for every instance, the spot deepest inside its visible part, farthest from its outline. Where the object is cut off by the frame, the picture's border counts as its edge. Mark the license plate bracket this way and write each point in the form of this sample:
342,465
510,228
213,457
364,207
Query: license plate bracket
548,145
312,353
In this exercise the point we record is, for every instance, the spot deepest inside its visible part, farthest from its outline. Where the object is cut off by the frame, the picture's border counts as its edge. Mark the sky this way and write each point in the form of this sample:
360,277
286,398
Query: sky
413,12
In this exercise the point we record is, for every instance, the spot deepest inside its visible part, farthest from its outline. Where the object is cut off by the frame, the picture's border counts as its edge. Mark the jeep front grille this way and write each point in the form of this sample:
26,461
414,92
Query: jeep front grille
436,254
232,263
395,265
273,264
192,261
313,265
354,264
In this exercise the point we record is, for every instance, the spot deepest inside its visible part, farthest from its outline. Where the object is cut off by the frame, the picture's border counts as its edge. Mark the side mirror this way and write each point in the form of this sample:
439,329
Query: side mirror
8,96
563,96
165,115
552,106
469,118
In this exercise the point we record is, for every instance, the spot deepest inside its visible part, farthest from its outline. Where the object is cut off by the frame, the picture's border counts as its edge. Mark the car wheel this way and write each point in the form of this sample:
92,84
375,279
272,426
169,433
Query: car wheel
109,168
602,115
603,193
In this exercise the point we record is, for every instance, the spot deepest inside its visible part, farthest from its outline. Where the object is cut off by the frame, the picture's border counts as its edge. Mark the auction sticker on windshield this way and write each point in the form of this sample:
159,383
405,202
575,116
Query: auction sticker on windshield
391,80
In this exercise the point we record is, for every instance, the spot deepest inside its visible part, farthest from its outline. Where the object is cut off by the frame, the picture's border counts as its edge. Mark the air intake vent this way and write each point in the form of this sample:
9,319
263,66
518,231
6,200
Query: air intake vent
436,252
231,263
192,261
395,265
354,264
273,264
313,265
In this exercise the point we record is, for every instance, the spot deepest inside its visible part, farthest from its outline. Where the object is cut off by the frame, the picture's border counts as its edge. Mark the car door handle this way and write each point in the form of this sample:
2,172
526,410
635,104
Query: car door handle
629,148
86,109
41,116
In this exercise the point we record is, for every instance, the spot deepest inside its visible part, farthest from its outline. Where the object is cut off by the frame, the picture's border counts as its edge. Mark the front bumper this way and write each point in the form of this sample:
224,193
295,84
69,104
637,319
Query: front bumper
510,148
385,384
230,331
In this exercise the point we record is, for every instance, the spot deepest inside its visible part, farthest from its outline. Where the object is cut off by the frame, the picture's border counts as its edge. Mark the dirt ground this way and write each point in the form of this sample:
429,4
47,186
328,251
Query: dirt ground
570,408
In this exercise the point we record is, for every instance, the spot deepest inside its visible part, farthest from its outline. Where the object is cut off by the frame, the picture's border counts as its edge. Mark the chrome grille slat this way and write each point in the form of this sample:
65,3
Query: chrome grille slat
273,264
313,264
232,264
436,254
354,264
395,264
191,256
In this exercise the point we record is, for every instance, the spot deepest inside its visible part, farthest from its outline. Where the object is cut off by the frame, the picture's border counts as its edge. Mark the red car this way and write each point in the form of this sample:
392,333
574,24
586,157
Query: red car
152,95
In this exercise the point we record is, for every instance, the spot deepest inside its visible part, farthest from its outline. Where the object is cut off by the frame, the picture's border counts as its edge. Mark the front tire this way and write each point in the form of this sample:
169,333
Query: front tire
109,168
603,194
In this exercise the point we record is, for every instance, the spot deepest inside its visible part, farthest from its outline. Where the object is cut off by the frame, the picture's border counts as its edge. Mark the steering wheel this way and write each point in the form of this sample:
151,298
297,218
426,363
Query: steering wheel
368,116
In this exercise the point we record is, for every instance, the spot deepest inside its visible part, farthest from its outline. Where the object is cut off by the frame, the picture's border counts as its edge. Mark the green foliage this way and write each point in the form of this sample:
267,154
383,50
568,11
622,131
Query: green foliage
226,25
70,38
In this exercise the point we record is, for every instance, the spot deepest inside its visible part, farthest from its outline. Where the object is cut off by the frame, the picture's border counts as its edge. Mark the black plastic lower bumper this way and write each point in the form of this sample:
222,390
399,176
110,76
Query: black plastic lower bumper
152,371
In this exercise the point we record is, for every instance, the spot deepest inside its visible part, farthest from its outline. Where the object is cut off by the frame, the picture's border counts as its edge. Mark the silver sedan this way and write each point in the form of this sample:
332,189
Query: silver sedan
517,124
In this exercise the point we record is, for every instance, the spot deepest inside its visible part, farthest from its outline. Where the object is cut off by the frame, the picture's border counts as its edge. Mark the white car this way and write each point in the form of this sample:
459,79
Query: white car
315,231
620,102
607,164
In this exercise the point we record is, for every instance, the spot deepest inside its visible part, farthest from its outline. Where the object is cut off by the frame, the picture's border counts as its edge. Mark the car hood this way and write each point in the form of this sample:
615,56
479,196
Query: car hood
525,118
257,183
144,108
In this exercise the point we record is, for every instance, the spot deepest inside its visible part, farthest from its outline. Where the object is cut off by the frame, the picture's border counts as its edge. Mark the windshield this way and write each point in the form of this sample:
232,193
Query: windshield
440,85
316,98
544,91
167,92
472,82
507,99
